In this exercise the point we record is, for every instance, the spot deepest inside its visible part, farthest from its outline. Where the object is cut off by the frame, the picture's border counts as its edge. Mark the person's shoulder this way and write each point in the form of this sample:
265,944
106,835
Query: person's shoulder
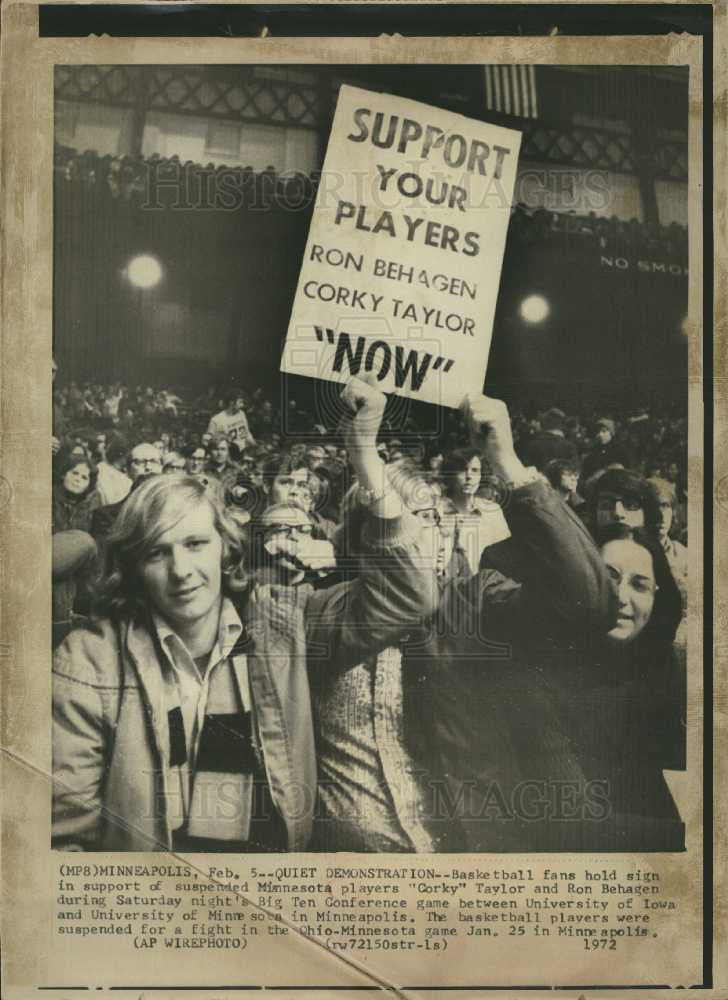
90,655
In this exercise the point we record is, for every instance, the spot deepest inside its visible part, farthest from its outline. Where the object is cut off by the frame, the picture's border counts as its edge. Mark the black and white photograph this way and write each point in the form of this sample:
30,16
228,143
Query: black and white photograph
370,458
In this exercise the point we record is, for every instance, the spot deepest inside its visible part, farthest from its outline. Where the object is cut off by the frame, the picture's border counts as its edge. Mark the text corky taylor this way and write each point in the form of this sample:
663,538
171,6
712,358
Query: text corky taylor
413,208
428,142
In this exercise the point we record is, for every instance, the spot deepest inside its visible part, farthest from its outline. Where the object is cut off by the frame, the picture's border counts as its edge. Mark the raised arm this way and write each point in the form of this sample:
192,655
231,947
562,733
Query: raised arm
396,585
564,586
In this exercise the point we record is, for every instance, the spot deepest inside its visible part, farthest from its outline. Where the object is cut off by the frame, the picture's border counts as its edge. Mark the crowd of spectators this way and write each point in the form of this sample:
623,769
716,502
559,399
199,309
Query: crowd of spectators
529,517
244,448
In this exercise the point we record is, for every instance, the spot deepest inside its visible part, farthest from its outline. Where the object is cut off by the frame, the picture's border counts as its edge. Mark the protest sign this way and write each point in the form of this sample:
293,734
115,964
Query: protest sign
402,266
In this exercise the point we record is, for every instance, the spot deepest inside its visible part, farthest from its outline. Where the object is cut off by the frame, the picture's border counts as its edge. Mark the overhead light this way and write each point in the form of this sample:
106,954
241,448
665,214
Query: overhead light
144,271
534,309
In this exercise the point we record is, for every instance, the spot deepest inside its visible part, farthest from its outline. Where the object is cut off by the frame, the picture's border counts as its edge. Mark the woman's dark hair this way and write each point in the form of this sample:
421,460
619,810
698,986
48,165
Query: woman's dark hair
64,461
667,609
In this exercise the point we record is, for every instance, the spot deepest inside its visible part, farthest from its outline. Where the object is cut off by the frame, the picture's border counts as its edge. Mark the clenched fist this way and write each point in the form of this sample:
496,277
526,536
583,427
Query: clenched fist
365,404
490,433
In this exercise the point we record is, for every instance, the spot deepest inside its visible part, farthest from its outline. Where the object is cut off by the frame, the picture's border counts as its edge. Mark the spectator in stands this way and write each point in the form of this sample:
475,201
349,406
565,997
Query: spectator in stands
113,484
479,521
196,467
74,494
315,456
286,550
621,496
174,462
219,464
606,452
74,502
550,443
144,460
287,479
232,422
231,719
675,552
564,477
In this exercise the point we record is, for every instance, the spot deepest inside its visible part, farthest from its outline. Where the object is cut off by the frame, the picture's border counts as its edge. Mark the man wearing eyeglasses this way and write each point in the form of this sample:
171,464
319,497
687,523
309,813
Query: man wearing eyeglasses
621,496
196,467
287,552
144,460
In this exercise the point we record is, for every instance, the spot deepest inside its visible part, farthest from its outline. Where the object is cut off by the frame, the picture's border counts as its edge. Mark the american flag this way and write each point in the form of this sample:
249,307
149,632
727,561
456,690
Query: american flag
511,90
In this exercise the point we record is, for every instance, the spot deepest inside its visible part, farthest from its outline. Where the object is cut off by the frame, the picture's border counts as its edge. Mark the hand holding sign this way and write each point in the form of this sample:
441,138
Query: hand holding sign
366,405
490,432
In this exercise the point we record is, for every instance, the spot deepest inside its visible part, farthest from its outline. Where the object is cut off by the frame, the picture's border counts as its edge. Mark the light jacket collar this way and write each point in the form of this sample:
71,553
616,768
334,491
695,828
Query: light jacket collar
229,630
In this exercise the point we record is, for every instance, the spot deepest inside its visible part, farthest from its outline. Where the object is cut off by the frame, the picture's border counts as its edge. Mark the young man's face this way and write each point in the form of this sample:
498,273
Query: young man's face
181,574
604,435
196,461
468,480
292,487
221,452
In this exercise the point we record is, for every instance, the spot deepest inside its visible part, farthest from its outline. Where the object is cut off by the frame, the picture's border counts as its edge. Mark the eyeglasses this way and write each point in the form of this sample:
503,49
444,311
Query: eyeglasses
154,462
640,584
289,530
430,515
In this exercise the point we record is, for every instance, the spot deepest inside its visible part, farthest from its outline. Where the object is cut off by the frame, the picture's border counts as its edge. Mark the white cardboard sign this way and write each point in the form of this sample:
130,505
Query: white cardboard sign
402,266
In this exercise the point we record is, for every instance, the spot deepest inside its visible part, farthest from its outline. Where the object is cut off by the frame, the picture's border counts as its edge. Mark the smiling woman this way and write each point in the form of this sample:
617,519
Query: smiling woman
623,703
